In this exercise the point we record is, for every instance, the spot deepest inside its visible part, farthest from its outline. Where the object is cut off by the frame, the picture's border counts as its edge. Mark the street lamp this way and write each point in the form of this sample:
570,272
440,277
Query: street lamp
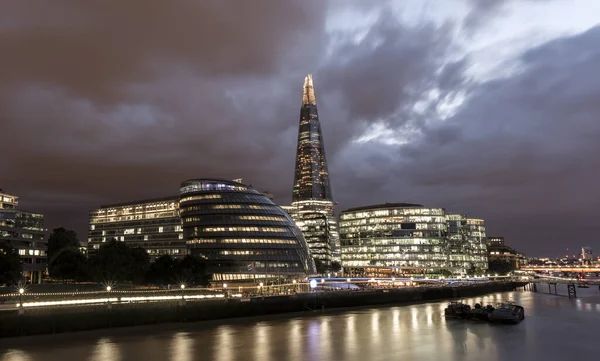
182,288
108,288
260,285
348,280
21,291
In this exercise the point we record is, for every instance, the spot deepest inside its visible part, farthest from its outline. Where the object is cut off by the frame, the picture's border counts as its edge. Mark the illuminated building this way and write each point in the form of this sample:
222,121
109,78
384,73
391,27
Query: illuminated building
393,238
467,247
587,253
241,233
152,224
25,232
312,201
498,251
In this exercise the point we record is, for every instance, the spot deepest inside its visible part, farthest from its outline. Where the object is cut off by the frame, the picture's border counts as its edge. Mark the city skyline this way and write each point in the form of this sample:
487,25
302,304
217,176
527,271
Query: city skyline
423,106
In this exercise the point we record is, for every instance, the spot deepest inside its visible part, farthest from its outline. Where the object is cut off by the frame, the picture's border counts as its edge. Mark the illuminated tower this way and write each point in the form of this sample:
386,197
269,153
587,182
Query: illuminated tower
311,181
312,201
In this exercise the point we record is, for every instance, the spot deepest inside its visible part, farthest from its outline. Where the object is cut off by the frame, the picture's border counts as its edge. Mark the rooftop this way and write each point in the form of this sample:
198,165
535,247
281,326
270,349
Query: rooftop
385,205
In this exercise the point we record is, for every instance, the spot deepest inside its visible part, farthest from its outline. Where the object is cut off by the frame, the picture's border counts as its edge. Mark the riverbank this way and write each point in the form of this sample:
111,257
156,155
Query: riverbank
72,319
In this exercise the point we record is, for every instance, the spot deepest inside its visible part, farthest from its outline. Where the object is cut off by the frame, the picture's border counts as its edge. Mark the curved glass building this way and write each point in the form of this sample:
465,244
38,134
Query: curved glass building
393,238
240,232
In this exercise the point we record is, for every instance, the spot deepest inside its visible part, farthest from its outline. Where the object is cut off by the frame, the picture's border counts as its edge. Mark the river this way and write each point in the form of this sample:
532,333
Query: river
555,328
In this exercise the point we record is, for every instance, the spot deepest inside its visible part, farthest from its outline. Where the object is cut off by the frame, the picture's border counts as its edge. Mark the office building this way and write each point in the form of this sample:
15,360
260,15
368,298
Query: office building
152,224
312,200
25,232
587,253
241,233
393,239
498,251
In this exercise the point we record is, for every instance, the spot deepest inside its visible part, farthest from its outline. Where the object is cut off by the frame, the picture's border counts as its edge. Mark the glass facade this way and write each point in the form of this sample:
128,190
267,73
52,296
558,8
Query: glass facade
312,201
150,224
393,238
241,233
25,232
398,238
466,243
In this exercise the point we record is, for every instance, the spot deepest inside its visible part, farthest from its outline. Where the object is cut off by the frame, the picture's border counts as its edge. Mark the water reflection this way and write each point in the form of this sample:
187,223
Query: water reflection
106,350
15,355
262,343
554,329
224,349
295,340
396,320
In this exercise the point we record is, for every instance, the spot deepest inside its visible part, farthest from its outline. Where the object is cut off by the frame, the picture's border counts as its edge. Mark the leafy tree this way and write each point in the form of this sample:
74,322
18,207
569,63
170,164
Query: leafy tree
117,262
69,264
474,271
60,239
10,264
192,270
500,267
162,271
321,268
335,266
445,273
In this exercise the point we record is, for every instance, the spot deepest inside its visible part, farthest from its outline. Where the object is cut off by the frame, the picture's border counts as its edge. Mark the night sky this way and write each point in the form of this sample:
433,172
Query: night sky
489,108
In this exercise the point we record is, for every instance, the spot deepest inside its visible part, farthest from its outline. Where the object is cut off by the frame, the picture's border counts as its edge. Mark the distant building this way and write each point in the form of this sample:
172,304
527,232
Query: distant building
152,224
587,253
499,251
312,200
242,234
495,241
25,232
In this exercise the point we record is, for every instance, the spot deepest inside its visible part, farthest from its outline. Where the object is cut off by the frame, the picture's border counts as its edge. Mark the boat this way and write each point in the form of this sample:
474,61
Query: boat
508,312
481,313
457,310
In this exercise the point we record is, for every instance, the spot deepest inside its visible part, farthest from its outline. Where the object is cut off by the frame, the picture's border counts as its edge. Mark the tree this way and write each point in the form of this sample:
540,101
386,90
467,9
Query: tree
500,267
335,266
321,268
60,239
192,270
117,262
445,273
162,271
10,264
474,271
69,264
64,259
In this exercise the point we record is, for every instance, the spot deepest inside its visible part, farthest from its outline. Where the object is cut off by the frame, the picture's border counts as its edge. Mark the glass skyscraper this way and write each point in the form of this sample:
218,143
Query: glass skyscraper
312,201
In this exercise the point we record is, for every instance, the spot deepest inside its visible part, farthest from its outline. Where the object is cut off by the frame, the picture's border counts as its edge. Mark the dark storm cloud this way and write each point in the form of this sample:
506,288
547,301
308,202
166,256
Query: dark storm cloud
521,153
102,103
107,101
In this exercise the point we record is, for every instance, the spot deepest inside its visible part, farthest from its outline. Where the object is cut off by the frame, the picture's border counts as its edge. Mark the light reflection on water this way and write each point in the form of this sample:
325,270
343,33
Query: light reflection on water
555,328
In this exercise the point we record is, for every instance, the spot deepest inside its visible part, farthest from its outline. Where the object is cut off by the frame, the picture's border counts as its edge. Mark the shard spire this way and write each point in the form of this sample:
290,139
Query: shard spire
311,181
308,93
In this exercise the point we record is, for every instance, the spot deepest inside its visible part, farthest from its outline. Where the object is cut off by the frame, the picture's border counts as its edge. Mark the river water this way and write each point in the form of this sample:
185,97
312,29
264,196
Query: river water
555,328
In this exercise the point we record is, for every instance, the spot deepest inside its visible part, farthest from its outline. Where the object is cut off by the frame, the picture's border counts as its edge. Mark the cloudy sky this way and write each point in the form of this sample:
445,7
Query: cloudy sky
485,107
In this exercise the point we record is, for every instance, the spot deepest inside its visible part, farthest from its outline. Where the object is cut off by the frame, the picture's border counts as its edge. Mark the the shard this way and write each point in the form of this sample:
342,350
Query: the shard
311,181
312,201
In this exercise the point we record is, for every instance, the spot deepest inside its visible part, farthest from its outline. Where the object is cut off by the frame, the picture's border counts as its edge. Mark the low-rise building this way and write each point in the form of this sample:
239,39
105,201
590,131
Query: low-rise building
152,224
25,232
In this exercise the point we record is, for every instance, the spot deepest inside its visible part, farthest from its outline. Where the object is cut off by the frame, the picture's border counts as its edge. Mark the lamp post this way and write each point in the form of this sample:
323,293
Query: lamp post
108,289
348,281
225,289
21,291
260,286
295,285
182,289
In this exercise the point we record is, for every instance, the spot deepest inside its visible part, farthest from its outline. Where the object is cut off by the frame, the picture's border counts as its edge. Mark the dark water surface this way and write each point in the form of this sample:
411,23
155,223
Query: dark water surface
555,328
